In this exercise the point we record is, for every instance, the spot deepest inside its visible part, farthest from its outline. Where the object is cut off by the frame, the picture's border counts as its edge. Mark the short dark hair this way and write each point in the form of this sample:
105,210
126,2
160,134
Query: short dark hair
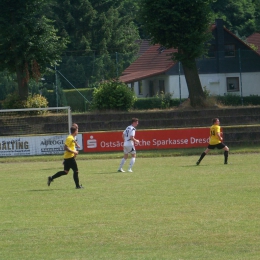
73,129
134,119
214,120
76,125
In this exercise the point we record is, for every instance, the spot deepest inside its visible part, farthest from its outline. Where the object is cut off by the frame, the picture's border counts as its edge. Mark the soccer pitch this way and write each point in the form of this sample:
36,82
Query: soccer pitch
168,208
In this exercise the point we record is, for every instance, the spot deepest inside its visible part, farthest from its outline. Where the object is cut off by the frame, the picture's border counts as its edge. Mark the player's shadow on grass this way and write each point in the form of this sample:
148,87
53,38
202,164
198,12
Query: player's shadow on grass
49,169
189,166
44,190
113,172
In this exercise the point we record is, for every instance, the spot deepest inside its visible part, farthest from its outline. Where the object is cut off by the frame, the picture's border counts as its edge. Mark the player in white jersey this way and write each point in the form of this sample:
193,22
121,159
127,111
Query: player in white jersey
129,145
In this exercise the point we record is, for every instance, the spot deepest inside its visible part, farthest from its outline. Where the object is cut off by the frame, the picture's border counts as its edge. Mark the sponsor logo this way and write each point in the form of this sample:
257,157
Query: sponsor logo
91,143
16,144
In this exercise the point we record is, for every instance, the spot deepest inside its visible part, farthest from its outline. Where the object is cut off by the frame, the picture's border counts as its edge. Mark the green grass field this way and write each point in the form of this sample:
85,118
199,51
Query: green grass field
169,208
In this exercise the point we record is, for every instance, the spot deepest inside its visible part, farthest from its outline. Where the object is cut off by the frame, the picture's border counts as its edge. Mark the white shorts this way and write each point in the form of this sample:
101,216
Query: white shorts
129,149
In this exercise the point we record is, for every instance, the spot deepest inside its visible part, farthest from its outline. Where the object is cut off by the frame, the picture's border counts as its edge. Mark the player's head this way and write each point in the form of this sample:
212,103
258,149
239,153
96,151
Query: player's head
215,121
135,121
73,129
74,124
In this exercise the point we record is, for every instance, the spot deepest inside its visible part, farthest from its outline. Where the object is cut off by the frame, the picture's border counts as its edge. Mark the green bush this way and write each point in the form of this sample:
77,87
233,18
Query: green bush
36,101
113,95
13,101
157,102
251,100
229,100
75,100
147,103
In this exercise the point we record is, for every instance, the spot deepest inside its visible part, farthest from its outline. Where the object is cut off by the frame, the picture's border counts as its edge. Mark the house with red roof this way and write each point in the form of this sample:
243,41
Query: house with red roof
254,39
231,67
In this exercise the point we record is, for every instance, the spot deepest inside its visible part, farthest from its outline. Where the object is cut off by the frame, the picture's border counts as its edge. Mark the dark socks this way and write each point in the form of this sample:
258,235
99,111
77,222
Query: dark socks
202,156
58,174
76,178
226,156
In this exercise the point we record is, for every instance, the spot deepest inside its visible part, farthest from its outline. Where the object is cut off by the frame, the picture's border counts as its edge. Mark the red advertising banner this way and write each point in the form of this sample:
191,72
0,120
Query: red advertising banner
149,139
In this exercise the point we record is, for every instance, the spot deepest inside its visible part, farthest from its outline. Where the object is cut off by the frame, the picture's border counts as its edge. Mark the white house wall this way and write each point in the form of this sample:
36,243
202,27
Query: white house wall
216,84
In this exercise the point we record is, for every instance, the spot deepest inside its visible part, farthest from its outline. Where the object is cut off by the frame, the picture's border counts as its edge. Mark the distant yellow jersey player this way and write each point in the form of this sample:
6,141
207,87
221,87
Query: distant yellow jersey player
215,141
214,135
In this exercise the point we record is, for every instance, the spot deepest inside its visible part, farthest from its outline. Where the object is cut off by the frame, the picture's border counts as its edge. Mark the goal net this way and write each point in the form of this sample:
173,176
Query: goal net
34,131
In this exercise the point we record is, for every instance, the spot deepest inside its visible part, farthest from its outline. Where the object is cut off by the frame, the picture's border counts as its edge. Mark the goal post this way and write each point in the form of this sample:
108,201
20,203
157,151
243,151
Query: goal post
32,121
34,131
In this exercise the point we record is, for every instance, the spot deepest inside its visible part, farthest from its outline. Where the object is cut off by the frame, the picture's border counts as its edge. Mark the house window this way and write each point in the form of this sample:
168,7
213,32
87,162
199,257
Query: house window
229,50
140,87
232,84
132,86
161,87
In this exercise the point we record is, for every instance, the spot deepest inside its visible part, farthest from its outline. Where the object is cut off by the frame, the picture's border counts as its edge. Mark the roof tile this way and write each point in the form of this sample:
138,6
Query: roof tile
254,39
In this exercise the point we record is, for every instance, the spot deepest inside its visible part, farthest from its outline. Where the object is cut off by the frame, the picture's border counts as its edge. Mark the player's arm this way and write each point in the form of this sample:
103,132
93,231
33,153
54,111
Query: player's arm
219,136
133,139
77,145
66,148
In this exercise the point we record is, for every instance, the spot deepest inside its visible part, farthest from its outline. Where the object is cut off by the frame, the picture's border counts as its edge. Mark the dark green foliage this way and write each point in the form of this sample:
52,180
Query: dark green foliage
74,71
156,103
98,32
229,100
181,24
240,16
76,101
7,84
70,98
113,95
251,100
235,100
13,101
28,41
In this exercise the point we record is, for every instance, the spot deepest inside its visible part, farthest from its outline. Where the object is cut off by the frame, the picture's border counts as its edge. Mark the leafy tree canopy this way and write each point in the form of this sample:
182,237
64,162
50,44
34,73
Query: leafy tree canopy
179,24
28,41
239,16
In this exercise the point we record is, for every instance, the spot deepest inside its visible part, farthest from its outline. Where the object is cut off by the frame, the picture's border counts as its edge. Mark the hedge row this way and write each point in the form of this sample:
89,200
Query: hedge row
77,101
234,100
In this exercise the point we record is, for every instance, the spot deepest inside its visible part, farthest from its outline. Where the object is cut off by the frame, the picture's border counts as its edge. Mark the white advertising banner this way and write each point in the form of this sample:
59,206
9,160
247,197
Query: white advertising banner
34,145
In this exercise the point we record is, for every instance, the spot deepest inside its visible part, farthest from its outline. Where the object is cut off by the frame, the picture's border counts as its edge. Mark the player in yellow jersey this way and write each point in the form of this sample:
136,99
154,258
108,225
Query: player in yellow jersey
69,159
215,141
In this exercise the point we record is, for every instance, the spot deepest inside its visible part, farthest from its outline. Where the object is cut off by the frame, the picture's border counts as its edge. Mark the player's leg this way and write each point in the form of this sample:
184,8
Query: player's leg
203,155
132,161
226,150
59,174
74,167
126,151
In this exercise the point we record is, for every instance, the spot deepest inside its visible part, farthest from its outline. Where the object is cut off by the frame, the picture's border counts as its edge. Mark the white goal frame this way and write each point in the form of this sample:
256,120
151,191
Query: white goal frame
34,133
42,109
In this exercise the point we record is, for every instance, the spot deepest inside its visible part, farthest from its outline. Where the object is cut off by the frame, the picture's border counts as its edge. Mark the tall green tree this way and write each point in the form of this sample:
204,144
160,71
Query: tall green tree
183,25
239,16
28,41
257,14
100,30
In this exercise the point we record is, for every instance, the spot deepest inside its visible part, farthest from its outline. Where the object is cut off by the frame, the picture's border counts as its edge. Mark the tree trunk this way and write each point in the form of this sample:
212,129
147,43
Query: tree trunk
22,80
196,94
